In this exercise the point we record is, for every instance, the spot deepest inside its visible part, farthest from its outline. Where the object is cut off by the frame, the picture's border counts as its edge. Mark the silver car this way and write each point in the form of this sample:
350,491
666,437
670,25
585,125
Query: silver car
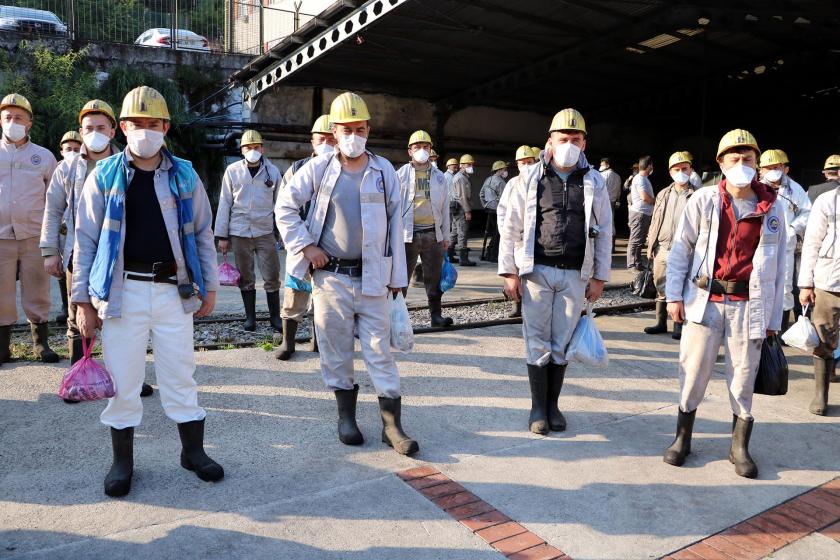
162,37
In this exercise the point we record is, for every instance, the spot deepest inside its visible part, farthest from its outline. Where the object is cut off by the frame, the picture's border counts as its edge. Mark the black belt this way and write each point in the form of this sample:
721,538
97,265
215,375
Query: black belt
562,265
348,267
161,272
724,287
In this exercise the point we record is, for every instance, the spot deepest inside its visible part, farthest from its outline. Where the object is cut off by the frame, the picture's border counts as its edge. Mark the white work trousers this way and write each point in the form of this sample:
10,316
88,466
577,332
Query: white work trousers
339,307
789,266
551,309
728,323
150,308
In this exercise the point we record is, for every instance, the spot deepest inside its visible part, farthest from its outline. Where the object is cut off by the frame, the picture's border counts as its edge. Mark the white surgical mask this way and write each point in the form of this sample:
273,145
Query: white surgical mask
774,175
566,155
739,175
603,168
434,164
144,143
252,156
522,167
679,177
15,132
324,148
421,156
469,170
96,141
351,145
69,155
504,174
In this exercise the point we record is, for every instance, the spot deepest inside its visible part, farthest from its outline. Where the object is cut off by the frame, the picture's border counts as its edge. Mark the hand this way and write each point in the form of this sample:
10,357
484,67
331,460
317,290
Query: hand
513,287
224,246
87,319
53,266
594,290
676,310
806,296
208,302
468,216
316,256
445,244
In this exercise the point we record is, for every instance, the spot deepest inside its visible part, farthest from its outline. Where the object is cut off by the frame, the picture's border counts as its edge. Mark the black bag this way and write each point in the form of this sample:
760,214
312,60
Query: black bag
772,377
643,285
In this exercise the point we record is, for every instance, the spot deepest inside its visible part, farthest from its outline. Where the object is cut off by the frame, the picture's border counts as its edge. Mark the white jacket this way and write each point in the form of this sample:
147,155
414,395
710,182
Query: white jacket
383,249
820,264
693,252
519,217
440,201
797,207
246,204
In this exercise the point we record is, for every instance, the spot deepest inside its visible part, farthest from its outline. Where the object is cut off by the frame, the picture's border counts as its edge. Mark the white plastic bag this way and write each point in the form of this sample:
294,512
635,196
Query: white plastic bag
402,335
587,345
802,334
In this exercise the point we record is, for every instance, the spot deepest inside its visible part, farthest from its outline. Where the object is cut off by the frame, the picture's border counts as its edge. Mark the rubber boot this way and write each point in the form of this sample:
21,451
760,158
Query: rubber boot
677,334
273,301
193,457
40,343
516,311
681,448
451,252
661,325
118,479
348,430
438,320
556,420
76,351
5,341
287,347
392,432
313,342
822,370
538,380
739,453
61,318
249,298
464,259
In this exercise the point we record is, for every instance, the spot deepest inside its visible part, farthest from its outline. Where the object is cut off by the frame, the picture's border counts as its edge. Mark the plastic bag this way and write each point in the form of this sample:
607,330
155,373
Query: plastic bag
448,275
643,285
772,377
87,379
802,334
228,274
402,335
297,284
586,345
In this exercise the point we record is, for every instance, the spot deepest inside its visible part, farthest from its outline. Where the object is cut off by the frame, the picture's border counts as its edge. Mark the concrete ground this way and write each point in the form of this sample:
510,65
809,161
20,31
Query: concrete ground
599,490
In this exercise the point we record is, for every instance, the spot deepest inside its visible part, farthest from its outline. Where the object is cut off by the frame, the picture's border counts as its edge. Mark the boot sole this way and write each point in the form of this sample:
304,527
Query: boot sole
675,461
284,355
412,448
203,476
752,473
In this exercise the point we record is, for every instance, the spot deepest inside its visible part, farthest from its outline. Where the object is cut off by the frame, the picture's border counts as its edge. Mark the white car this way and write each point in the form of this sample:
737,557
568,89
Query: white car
186,40
30,21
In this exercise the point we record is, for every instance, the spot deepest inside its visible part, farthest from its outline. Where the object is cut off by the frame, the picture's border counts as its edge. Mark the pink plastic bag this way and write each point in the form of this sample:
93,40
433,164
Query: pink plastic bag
87,379
228,274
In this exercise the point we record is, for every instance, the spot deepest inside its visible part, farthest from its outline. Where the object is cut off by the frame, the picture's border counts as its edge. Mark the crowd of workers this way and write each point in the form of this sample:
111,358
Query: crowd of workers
131,234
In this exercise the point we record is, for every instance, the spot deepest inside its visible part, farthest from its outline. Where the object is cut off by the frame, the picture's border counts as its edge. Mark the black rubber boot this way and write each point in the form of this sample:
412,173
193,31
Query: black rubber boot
538,380
193,457
273,300
392,433
348,430
40,343
739,453
249,298
451,252
822,371
5,342
556,375
76,351
118,479
313,342
61,318
438,320
681,448
464,259
516,311
661,325
287,347
146,390
677,334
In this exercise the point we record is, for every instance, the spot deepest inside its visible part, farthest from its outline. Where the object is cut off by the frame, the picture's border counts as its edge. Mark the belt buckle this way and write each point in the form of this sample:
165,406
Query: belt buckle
157,268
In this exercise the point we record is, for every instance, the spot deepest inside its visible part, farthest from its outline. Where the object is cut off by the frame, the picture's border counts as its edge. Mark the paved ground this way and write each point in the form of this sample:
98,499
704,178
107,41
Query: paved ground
600,490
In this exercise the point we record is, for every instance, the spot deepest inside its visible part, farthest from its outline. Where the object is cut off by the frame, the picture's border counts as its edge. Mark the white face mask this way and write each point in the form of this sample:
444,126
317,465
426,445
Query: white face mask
351,145
96,141
421,156
69,155
739,175
434,164
566,155
603,168
144,143
774,175
504,174
679,177
252,156
469,170
15,132
324,148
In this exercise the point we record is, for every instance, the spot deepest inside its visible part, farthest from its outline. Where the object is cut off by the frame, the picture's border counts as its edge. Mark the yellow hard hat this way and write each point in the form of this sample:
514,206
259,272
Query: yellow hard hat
451,161
536,152
144,102
70,136
433,154
523,152
677,158
419,136
250,137
773,157
348,107
833,162
466,158
322,125
98,106
568,119
16,100
498,165
736,138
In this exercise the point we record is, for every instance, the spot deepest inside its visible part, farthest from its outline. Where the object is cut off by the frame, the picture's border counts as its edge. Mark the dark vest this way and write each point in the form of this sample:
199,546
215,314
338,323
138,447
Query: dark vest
560,238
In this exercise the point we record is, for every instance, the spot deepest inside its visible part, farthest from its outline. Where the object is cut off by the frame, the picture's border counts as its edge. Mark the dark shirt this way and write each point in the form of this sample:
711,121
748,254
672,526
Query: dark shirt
254,170
561,220
146,238
816,190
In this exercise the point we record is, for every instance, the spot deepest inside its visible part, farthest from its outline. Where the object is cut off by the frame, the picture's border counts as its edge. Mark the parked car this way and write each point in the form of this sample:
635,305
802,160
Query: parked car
31,21
162,37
